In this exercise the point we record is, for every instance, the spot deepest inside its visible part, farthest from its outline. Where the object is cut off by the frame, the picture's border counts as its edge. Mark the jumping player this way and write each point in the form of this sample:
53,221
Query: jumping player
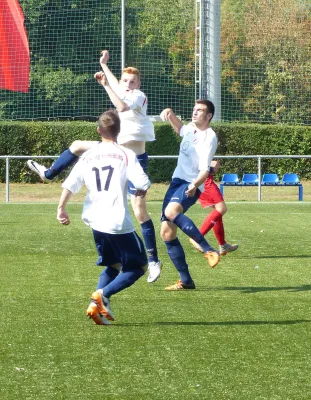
136,130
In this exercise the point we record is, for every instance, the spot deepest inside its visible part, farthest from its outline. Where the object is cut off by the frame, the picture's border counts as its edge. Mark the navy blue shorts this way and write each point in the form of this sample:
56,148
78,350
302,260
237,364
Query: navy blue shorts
126,249
143,161
177,193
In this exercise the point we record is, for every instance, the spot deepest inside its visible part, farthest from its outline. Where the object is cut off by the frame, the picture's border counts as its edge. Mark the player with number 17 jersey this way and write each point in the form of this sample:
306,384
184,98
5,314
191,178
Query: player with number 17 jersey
105,170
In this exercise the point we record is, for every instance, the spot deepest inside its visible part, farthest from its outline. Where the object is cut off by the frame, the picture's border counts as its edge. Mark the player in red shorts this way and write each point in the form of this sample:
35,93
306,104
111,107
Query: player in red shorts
212,197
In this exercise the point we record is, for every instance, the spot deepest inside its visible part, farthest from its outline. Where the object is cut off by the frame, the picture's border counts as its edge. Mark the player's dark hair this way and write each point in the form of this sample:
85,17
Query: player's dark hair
109,124
209,105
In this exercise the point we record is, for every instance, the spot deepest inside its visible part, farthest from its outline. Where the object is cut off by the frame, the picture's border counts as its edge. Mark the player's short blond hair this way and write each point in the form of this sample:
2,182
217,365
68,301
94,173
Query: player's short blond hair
132,71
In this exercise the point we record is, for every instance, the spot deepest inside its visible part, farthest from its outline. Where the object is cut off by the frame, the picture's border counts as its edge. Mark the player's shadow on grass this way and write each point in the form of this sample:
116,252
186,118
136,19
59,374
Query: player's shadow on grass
216,323
257,289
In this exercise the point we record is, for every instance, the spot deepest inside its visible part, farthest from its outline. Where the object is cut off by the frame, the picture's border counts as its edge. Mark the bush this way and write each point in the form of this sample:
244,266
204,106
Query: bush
51,138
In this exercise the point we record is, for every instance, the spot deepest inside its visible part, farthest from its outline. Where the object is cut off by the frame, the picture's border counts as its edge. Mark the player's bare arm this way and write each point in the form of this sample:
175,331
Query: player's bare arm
196,183
120,105
62,214
169,115
113,81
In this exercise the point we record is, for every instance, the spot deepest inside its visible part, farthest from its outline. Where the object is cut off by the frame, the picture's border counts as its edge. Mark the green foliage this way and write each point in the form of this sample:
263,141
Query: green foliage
51,138
167,143
39,138
266,61
255,139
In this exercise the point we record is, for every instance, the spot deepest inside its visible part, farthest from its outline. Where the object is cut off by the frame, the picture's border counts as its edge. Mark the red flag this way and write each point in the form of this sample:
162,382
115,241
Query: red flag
14,49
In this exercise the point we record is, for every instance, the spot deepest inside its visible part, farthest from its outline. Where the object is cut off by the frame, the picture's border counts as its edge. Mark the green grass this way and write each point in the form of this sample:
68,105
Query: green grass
243,334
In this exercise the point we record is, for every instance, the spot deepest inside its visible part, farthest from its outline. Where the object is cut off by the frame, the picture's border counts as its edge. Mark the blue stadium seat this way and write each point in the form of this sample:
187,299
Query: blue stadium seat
250,179
230,179
270,179
290,179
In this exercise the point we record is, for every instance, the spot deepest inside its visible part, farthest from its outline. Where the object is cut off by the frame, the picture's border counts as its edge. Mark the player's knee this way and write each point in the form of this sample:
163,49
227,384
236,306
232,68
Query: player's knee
221,208
172,210
170,214
166,233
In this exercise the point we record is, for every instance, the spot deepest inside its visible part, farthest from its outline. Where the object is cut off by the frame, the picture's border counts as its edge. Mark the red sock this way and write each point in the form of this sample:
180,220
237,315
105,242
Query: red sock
210,221
219,232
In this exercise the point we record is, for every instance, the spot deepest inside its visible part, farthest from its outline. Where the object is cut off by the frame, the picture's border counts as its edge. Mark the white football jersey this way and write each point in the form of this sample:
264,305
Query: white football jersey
196,152
105,170
135,124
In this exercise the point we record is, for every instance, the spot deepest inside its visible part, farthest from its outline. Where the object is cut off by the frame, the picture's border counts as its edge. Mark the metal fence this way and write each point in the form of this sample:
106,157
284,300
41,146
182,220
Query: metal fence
259,159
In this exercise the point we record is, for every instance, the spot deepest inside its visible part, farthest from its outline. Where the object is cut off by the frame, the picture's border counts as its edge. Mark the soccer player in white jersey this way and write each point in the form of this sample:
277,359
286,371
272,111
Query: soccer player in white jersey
105,170
136,130
197,150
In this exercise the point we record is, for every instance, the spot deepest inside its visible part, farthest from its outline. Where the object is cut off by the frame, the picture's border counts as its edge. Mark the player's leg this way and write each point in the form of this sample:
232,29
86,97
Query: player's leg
177,256
99,308
175,204
66,159
108,275
134,262
174,212
139,206
213,217
148,232
212,197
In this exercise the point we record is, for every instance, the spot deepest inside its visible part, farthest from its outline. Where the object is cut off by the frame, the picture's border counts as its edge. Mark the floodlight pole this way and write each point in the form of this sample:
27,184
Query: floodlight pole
123,44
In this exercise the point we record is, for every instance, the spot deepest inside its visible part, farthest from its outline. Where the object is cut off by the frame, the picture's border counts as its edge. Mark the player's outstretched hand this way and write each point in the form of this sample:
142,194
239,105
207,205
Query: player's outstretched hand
140,193
104,57
101,78
63,217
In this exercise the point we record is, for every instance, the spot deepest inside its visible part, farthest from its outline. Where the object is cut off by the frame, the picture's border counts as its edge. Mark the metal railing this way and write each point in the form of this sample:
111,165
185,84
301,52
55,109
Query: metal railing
258,157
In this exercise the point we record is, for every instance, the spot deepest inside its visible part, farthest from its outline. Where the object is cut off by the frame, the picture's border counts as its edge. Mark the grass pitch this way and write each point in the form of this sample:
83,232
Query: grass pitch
243,334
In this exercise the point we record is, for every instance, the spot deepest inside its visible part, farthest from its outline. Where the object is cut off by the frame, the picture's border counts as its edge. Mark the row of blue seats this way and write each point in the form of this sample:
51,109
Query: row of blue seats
289,179
267,179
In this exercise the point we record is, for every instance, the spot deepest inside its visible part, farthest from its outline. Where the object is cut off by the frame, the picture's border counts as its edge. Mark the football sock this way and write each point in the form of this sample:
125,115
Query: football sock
66,159
107,276
210,221
148,232
189,228
177,256
124,280
219,232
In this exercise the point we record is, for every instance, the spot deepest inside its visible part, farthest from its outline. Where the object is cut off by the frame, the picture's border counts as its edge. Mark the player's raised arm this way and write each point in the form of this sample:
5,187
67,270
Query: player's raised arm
112,80
169,115
102,79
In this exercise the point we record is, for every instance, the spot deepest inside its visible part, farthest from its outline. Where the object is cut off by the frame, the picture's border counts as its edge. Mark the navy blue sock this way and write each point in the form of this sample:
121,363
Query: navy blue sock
107,276
188,227
66,159
178,258
122,281
148,232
